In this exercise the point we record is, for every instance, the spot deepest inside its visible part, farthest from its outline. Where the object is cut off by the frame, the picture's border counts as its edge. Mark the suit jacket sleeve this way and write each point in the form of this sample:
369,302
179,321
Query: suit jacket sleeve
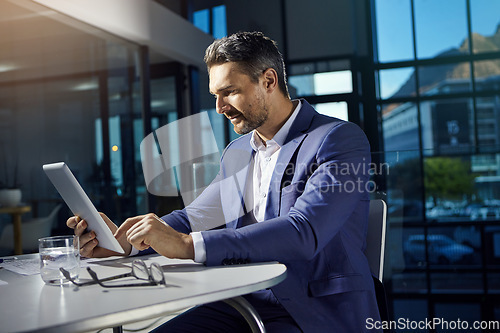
320,204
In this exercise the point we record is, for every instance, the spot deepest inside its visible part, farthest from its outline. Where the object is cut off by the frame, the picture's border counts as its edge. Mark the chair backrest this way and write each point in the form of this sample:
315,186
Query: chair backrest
375,238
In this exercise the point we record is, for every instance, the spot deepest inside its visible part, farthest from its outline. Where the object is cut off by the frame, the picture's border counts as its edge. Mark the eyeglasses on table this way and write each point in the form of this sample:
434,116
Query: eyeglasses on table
152,274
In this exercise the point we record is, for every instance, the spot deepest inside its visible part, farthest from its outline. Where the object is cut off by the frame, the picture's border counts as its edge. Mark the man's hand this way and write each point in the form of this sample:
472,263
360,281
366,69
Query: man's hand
88,243
150,231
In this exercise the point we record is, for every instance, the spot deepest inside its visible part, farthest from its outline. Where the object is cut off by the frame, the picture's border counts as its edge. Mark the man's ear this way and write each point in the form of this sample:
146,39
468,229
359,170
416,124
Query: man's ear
270,79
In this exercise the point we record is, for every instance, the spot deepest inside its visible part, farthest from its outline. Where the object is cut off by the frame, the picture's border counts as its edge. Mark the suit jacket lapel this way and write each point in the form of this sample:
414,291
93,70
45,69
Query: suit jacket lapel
294,138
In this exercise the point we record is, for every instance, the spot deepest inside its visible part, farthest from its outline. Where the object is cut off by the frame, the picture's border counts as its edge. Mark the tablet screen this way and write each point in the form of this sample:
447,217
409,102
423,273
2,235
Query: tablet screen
77,200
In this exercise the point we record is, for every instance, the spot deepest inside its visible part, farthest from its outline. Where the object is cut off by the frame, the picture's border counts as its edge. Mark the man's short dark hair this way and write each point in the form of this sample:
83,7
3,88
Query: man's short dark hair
253,52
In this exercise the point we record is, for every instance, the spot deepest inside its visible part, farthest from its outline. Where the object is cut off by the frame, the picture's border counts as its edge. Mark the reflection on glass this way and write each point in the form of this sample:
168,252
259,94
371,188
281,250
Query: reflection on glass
404,186
413,309
219,21
409,283
218,123
413,245
462,188
84,86
163,100
487,74
232,134
494,282
320,83
334,109
448,185
441,250
201,20
467,312
488,123
141,192
400,127
115,140
492,243
438,34
394,32
452,246
485,25
444,79
397,82
447,126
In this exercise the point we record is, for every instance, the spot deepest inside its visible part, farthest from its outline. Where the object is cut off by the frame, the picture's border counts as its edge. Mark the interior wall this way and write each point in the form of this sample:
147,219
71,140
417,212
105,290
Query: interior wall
318,28
256,15
313,29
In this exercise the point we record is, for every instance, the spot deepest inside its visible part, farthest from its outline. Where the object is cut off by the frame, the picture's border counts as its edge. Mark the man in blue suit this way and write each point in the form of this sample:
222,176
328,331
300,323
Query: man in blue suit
291,189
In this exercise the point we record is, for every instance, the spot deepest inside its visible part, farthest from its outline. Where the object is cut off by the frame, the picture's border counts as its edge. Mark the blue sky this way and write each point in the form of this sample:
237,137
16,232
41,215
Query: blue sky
440,25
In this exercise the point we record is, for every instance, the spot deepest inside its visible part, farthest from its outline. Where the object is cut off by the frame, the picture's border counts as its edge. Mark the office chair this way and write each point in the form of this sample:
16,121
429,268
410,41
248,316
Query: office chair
375,250
31,230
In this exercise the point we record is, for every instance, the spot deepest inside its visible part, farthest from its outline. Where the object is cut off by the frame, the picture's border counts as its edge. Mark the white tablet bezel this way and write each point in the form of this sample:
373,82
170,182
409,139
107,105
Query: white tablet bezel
77,200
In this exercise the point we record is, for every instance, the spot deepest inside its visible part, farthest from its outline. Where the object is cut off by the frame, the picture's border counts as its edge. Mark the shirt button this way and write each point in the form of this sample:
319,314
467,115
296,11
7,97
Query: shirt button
268,159
263,194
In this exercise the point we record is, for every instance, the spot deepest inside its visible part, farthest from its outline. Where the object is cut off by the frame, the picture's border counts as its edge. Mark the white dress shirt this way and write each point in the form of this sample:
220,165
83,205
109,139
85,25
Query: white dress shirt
261,171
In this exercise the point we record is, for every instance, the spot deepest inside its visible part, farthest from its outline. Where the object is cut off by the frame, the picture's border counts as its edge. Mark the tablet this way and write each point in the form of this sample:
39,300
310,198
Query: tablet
79,203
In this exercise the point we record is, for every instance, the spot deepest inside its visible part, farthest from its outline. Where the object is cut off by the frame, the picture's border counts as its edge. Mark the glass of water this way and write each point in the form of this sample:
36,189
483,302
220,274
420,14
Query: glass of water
56,252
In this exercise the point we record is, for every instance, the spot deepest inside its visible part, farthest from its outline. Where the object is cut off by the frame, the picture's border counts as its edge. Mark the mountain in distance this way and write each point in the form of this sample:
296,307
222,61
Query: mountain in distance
430,76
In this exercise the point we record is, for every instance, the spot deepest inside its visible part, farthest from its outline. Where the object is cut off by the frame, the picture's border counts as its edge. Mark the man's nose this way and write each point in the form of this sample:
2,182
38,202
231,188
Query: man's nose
221,105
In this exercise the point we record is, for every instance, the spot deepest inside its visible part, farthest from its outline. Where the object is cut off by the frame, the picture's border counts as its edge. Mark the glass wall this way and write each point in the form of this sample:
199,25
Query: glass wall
437,93
69,92
327,85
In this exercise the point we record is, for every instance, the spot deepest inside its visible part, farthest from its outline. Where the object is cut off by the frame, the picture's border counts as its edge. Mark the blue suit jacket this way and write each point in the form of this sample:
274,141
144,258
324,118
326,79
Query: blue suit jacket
315,221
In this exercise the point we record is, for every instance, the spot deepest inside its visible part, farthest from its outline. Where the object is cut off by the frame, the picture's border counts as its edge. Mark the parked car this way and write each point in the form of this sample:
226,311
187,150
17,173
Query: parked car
482,212
442,250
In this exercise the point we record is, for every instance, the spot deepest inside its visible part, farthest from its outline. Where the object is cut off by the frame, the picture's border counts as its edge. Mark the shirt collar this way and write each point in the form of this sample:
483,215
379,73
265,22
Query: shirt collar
280,136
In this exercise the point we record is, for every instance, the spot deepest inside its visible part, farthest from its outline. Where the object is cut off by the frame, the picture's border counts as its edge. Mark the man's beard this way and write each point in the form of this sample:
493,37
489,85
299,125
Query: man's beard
249,125
253,120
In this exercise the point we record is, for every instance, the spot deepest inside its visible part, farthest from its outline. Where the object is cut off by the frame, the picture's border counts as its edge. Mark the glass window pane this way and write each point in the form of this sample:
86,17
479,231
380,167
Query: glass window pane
451,312
75,76
318,67
487,74
447,126
320,83
410,282
488,125
444,79
404,185
448,182
441,28
492,246
334,109
201,20
218,124
397,82
333,83
400,127
414,247
163,100
219,21
394,31
456,282
411,309
454,246
485,25
232,134
494,283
